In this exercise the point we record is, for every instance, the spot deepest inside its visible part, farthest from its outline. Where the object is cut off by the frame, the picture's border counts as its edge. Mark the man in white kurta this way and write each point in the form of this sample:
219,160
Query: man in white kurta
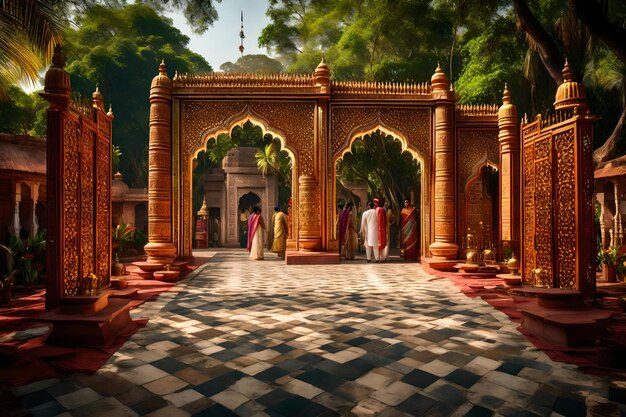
369,233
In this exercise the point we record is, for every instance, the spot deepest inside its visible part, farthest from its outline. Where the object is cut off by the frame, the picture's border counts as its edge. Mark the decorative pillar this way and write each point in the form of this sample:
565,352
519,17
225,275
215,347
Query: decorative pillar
444,245
617,223
34,192
57,91
309,213
602,223
15,226
160,247
508,136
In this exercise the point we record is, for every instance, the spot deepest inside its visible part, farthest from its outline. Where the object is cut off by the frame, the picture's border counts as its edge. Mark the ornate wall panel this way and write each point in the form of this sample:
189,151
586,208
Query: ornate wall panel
70,205
103,211
565,219
87,189
543,209
475,147
413,123
528,202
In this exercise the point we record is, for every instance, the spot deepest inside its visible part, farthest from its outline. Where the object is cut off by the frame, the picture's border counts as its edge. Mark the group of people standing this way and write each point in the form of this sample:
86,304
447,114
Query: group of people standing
374,232
277,234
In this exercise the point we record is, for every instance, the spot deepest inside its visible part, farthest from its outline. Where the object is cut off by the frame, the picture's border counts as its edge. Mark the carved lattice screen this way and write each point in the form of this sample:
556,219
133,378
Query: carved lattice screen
557,204
79,201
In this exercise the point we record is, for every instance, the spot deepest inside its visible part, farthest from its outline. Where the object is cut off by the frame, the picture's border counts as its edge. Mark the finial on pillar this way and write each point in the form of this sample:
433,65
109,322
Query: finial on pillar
570,94
506,95
567,72
57,85
439,80
98,100
162,79
322,75
110,112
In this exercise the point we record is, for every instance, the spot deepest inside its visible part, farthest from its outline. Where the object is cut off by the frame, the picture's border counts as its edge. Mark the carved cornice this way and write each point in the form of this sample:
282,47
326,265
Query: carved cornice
229,79
376,87
477,110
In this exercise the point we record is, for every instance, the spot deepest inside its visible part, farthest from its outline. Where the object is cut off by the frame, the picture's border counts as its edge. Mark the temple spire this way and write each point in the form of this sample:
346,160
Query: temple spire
241,35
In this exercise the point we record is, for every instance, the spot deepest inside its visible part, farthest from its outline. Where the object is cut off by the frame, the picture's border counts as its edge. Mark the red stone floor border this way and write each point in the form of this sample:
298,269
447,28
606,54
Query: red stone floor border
593,360
22,362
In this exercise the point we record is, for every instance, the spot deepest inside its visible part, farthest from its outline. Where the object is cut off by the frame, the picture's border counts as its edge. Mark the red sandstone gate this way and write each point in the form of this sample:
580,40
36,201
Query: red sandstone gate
316,121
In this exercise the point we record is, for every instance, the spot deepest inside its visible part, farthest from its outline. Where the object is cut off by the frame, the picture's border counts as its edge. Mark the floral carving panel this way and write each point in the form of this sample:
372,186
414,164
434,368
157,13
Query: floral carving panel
414,124
86,200
565,210
476,146
70,206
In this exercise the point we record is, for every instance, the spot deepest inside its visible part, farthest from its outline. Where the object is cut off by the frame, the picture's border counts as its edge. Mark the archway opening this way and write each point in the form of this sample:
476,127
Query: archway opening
228,173
378,165
482,213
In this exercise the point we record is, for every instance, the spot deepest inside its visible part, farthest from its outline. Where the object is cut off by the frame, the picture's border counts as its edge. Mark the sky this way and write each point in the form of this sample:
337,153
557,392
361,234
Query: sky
220,43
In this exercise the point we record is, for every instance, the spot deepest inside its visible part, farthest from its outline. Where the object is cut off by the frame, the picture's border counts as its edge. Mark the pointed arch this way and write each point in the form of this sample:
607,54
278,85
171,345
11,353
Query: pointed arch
376,125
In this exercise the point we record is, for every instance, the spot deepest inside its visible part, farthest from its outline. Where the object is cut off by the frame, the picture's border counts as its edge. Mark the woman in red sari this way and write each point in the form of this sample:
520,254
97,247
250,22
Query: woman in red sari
408,228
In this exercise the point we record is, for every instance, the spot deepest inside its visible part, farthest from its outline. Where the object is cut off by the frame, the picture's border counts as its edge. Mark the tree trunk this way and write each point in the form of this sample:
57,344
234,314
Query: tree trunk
606,152
590,13
546,47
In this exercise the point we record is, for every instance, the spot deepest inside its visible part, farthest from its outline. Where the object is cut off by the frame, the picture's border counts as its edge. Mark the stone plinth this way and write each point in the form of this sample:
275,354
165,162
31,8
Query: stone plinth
97,329
311,258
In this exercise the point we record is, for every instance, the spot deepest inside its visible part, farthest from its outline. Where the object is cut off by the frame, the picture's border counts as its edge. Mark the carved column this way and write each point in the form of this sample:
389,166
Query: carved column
309,213
600,198
617,224
57,91
34,191
508,136
444,245
15,226
160,247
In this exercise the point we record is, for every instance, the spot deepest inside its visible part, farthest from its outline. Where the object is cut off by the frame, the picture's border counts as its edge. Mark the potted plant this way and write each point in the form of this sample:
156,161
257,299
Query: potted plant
122,234
612,260
7,276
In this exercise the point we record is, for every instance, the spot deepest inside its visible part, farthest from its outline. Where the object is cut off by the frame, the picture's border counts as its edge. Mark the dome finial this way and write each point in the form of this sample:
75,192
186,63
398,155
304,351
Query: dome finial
322,74
506,95
439,80
567,72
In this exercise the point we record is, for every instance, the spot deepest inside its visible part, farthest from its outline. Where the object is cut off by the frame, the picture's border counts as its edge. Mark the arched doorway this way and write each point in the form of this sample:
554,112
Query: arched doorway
392,161
246,203
482,210
244,161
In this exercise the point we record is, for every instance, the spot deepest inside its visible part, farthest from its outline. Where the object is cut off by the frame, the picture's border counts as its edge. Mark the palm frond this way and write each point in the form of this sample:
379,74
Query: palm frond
29,30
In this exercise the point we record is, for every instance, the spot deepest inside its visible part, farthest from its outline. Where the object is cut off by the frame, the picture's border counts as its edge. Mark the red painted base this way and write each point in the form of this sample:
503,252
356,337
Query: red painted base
311,258
565,327
554,297
96,329
440,264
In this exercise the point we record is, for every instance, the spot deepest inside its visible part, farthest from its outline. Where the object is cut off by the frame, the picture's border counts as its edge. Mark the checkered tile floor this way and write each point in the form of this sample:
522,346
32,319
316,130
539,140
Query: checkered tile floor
260,338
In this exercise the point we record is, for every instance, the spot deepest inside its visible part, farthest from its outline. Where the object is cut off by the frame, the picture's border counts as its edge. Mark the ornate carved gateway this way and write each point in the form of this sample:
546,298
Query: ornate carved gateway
317,120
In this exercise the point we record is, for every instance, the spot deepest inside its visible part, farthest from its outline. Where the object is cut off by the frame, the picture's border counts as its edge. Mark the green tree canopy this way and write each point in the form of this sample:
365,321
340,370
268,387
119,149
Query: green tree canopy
259,63
17,115
120,49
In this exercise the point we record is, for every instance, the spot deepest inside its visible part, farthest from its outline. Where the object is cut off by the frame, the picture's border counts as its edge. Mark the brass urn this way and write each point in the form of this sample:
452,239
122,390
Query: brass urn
513,264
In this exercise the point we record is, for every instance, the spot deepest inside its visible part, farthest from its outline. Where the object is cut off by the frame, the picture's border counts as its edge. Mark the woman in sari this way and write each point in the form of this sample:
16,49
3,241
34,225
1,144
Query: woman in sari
347,232
256,234
408,229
